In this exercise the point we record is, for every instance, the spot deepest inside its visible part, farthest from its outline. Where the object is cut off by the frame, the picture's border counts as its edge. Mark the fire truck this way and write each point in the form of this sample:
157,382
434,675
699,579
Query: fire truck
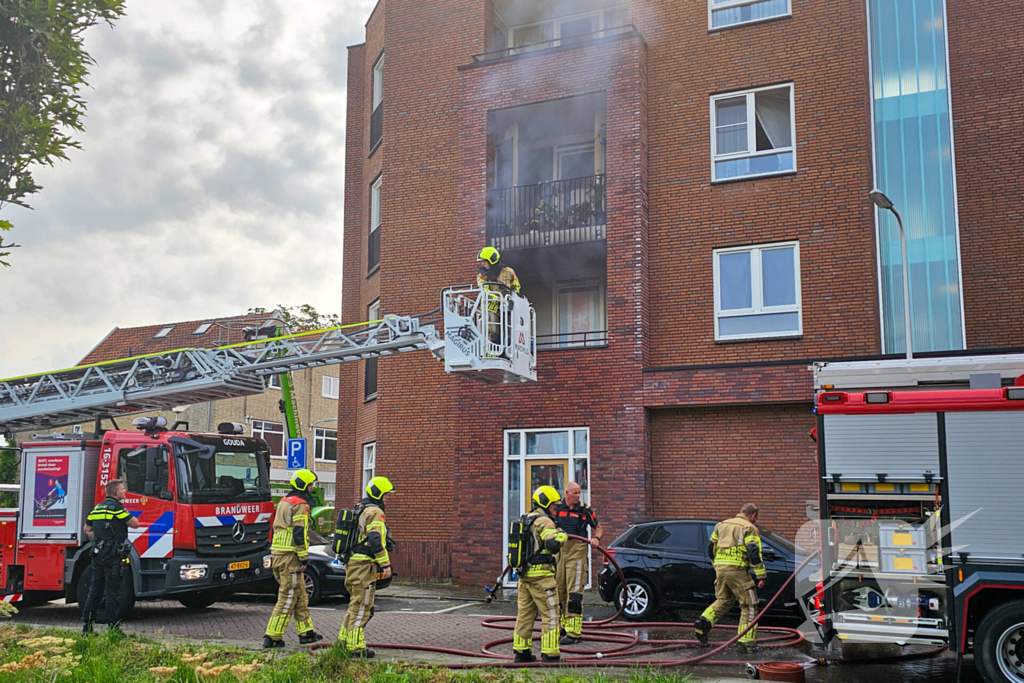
203,501
921,473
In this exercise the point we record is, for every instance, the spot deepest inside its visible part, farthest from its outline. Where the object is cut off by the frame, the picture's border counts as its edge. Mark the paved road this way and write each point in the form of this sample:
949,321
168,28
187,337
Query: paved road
452,623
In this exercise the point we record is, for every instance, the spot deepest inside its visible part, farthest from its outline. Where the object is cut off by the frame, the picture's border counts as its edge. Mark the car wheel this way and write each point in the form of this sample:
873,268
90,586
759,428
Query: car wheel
640,601
999,643
127,602
198,599
312,586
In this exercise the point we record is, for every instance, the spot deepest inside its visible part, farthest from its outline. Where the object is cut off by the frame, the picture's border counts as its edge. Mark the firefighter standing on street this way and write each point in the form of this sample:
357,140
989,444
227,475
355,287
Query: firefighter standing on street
368,563
736,548
107,525
572,573
537,591
289,555
493,270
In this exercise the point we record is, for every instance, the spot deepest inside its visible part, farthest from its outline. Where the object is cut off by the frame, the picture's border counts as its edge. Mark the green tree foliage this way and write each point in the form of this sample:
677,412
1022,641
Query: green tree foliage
302,318
8,475
43,67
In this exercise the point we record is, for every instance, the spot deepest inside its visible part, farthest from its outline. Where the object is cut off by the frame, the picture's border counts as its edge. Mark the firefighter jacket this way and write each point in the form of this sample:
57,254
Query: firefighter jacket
578,520
109,521
506,276
372,540
548,540
291,525
736,542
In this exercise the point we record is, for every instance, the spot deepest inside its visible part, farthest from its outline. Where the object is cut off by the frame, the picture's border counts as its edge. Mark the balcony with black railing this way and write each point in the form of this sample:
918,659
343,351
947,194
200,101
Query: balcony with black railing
547,214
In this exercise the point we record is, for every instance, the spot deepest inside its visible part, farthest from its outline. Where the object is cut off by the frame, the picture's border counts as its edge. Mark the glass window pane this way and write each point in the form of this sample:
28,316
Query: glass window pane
547,475
683,537
731,125
375,206
514,495
547,443
778,273
577,27
751,12
514,444
771,107
614,18
766,323
582,477
580,445
734,281
769,163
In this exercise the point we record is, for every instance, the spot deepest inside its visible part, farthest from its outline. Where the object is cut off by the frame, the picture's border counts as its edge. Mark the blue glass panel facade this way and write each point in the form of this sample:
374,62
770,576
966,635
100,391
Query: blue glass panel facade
914,167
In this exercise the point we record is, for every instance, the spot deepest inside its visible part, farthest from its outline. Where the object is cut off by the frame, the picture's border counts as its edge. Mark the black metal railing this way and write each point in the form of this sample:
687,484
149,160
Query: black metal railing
545,214
373,250
370,381
572,340
376,125
554,43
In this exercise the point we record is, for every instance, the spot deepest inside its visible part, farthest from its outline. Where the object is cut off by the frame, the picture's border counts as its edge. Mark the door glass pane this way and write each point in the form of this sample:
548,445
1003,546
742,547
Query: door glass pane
577,27
581,476
514,495
547,443
580,445
734,281
549,475
576,164
777,274
514,444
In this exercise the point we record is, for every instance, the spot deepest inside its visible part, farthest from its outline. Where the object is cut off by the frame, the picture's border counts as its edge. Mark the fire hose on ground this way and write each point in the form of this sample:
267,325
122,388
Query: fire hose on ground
621,652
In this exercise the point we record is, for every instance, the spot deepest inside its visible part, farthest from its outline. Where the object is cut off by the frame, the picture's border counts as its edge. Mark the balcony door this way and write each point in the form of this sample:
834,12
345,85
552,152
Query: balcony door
579,314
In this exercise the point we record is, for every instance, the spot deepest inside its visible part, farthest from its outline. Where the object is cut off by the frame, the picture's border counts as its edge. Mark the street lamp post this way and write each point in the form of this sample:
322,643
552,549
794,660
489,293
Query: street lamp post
882,202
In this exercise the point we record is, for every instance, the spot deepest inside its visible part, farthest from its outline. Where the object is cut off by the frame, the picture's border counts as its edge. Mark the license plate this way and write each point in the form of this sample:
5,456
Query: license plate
235,566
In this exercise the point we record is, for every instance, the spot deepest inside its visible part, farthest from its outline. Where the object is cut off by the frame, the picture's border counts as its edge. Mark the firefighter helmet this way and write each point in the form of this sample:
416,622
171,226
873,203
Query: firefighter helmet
545,496
378,486
489,254
303,479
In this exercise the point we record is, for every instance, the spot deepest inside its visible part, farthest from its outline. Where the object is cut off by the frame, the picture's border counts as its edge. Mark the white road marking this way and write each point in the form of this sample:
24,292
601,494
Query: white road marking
451,609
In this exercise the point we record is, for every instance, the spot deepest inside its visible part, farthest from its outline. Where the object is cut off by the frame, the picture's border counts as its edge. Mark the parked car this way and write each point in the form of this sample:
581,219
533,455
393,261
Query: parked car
666,564
324,577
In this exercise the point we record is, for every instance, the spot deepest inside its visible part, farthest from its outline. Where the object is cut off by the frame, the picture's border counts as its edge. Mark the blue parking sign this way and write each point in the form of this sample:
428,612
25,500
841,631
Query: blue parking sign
296,454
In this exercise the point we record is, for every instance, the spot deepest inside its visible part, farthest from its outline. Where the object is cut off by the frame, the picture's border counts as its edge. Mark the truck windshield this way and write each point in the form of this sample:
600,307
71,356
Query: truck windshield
215,469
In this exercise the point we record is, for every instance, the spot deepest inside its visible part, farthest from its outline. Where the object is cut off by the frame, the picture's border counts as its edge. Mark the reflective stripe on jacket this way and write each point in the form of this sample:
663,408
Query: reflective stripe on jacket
291,527
731,538
543,530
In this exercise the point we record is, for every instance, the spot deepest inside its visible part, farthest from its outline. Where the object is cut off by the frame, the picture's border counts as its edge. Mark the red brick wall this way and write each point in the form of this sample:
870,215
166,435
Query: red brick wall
986,58
708,462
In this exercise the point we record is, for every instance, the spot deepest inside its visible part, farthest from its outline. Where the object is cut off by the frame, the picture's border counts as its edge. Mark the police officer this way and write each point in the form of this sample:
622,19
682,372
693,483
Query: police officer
537,591
369,562
572,572
736,548
289,552
107,525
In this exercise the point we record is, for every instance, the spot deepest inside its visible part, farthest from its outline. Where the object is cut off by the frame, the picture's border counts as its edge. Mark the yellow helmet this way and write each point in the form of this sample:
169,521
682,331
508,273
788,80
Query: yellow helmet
545,496
489,254
303,479
378,486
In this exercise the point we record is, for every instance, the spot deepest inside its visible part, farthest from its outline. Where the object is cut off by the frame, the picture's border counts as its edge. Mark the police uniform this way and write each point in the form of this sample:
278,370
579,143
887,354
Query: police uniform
573,570
537,590
289,551
736,544
369,555
109,524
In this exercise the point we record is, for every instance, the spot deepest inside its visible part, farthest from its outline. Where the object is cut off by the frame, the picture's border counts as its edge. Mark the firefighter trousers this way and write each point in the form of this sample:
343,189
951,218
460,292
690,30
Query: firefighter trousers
571,579
361,584
105,586
734,584
291,597
537,595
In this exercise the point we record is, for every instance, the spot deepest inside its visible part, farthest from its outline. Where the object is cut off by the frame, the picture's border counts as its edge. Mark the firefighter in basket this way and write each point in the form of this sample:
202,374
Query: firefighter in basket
573,570
493,270
289,554
362,540
534,542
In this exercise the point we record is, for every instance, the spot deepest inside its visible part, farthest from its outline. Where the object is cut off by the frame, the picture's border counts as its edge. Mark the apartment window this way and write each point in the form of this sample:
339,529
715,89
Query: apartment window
272,433
203,329
752,133
373,246
757,291
377,114
570,28
325,444
724,13
163,332
580,310
369,462
370,377
330,387
274,382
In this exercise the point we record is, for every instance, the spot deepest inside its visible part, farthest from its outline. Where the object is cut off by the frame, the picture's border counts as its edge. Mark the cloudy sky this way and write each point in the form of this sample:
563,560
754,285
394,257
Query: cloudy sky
210,178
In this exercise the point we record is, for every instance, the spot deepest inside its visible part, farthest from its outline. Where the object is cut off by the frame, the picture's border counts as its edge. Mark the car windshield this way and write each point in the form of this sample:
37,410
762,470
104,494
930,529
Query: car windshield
780,541
214,469
316,538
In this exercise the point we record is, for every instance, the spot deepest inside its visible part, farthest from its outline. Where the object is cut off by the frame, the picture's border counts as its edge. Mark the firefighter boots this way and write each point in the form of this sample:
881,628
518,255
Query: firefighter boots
309,638
702,627
269,642
524,657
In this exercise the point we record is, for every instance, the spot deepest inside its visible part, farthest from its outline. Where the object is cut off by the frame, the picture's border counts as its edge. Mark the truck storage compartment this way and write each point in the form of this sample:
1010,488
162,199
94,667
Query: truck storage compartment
44,566
903,560
58,481
901,535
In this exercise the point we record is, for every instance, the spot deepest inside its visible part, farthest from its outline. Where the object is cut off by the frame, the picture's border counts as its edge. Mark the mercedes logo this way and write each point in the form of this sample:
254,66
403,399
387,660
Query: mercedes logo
238,532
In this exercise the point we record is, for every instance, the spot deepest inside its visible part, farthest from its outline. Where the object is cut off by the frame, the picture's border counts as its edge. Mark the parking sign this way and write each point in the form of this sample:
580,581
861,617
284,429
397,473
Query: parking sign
296,454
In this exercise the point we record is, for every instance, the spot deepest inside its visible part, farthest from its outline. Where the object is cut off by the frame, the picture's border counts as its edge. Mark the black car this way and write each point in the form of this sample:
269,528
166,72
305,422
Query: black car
666,564
324,576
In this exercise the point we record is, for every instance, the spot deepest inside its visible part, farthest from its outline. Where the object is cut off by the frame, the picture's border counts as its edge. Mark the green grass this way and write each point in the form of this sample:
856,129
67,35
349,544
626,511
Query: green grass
114,658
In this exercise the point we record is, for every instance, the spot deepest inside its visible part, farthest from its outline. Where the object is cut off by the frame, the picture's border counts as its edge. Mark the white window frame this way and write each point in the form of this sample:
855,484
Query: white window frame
284,436
320,435
274,382
369,462
712,6
378,82
752,133
330,387
757,293
376,193
164,331
203,329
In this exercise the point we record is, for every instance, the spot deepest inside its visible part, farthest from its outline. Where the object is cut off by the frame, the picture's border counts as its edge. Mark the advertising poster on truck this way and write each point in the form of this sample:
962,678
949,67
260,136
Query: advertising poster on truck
51,491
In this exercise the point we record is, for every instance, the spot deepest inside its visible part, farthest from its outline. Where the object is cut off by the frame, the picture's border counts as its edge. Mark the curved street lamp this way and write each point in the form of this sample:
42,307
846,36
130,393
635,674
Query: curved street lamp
879,199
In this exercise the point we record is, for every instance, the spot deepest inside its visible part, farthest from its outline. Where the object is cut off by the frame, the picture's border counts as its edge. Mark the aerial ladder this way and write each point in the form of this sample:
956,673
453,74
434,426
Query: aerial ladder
472,343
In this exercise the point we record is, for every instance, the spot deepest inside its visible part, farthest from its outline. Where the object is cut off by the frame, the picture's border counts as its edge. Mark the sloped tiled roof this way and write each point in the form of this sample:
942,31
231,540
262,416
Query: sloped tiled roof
137,341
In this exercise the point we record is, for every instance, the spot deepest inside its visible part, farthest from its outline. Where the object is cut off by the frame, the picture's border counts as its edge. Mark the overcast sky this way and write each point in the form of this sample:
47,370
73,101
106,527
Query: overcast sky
210,178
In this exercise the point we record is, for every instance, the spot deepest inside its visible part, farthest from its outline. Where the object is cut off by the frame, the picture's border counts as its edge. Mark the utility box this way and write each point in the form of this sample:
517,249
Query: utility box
899,535
58,489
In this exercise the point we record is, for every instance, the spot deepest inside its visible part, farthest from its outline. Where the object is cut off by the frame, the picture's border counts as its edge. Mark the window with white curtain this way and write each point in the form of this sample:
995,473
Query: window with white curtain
757,291
369,462
752,133
725,13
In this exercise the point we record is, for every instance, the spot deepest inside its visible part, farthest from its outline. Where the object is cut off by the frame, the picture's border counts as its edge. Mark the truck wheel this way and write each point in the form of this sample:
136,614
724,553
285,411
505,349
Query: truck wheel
999,644
198,599
127,602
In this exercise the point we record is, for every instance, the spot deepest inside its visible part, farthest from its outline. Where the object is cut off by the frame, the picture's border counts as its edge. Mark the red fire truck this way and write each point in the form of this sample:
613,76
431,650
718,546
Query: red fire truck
202,500
920,492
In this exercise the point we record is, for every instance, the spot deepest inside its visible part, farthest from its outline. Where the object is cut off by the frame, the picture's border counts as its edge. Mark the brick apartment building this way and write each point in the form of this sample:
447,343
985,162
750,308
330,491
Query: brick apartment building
682,188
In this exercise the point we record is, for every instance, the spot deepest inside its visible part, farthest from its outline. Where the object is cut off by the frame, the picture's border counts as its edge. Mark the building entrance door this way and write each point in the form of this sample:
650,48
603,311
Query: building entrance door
544,472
